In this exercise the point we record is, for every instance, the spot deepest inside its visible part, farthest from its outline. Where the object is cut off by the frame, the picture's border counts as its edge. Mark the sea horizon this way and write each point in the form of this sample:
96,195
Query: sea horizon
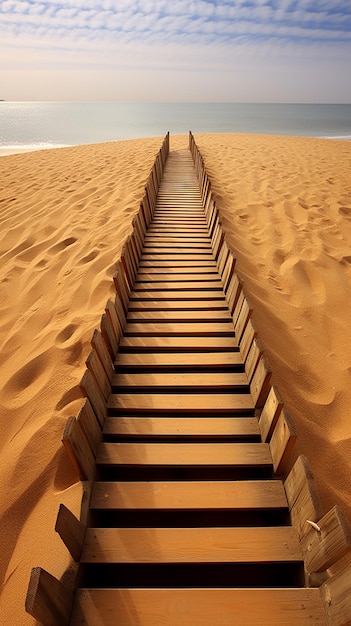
33,125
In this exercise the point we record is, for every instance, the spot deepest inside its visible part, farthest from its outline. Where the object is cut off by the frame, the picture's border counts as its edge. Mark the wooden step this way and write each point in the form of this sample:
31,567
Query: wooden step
156,278
174,263
191,545
167,316
215,454
167,344
176,242
174,258
187,283
233,427
179,329
179,403
207,381
180,294
189,495
201,271
178,305
198,607
178,361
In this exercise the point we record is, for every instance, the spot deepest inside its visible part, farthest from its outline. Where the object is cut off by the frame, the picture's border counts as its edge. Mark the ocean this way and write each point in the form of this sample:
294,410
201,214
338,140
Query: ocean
34,125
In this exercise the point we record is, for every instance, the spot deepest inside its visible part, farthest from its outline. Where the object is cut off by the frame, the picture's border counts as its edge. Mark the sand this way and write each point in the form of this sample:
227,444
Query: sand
286,209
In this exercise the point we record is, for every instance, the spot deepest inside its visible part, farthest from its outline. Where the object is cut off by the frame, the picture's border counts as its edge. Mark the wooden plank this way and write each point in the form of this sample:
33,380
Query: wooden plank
176,242
233,292
47,600
189,426
99,345
277,544
335,593
175,259
111,313
178,305
198,607
159,317
298,476
217,454
208,381
78,450
329,542
91,390
202,271
71,531
155,279
247,338
189,495
167,344
121,288
260,384
270,413
188,360
179,329
244,316
282,442
253,358
176,263
109,335
180,294
194,403
306,507
200,250
91,427
187,283
97,370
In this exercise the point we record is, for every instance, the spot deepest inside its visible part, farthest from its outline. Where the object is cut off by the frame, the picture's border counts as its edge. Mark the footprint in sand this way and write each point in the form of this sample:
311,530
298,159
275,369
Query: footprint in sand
66,334
28,381
345,211
90,257
62,245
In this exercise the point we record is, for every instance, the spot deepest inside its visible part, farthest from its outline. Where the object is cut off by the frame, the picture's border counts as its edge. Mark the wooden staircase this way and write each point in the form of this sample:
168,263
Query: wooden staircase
198,513
187,523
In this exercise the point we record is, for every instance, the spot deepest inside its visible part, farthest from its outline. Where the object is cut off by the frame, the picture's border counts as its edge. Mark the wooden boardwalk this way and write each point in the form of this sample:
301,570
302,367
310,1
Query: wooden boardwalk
189,520
185,508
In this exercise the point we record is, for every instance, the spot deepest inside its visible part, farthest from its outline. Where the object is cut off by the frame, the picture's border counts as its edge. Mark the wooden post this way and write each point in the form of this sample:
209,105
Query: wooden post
260,384
247,338
91,390
327,542
282,442
337,597
95,366
99,345
48,601
109,336
71,531
90,426
270,414
78,450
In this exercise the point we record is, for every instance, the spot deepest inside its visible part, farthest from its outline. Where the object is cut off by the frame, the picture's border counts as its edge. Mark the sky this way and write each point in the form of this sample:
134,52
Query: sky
176,50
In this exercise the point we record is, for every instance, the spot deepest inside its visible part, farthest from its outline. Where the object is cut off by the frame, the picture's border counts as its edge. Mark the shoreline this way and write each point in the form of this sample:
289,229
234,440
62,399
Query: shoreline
285,204
7,151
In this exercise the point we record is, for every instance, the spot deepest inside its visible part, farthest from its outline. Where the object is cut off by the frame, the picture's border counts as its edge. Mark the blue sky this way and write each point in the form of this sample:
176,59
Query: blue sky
176,50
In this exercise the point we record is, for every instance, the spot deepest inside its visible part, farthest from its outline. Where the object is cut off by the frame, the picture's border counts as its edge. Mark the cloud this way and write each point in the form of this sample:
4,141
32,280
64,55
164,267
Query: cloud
189,36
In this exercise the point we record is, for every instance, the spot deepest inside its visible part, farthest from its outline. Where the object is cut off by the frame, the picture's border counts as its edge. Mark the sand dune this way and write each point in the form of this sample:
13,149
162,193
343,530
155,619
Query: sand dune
64,216
286,207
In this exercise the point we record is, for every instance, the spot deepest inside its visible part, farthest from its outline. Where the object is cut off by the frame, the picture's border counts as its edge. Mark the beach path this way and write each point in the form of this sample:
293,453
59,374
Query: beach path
188,521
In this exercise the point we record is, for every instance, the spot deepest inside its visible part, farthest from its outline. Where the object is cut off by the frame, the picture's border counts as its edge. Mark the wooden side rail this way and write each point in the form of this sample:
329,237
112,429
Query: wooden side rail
325,539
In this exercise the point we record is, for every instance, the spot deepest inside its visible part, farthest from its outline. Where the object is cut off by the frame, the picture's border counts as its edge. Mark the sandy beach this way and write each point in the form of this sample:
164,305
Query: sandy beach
65,213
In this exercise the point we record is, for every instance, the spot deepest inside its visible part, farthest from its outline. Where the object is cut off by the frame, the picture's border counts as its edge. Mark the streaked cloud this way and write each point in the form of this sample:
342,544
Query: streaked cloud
202,36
